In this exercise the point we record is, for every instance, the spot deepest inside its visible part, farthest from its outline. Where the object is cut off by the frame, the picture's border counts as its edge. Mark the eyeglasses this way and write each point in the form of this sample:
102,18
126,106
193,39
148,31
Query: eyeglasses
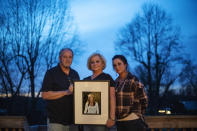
94,62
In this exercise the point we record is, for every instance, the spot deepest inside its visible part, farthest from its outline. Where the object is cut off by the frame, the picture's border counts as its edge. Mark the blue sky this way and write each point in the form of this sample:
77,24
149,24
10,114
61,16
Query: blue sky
98,22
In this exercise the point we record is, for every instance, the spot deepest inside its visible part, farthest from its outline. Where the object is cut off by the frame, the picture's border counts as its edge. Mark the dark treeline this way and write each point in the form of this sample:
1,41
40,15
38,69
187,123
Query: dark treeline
22,106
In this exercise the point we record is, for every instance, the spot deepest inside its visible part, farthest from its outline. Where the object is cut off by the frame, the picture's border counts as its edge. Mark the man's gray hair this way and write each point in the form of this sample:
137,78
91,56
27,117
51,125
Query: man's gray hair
65,49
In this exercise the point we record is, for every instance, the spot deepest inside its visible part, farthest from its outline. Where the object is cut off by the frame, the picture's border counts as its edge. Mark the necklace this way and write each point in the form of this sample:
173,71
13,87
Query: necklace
120,85
95,75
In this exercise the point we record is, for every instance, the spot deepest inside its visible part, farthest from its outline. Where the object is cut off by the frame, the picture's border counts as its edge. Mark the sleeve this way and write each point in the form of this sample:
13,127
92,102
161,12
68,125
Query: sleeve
112,82
47,82
142,97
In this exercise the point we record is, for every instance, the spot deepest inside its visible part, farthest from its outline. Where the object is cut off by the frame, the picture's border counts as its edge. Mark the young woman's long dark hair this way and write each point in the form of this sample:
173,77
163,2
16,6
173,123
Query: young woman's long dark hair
122,58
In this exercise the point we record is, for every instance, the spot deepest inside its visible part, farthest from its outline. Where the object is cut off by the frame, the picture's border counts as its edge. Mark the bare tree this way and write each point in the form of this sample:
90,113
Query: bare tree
153,41
37,30
188,80
11,72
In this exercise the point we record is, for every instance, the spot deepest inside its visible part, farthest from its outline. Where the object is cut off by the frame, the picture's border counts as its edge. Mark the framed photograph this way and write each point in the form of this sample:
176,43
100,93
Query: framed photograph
91,102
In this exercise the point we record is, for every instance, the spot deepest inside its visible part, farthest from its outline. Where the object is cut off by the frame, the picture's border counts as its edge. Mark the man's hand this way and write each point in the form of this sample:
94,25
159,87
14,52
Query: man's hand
70,89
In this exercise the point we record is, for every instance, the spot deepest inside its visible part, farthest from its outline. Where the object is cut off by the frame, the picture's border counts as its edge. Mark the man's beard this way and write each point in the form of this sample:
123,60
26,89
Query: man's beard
65,66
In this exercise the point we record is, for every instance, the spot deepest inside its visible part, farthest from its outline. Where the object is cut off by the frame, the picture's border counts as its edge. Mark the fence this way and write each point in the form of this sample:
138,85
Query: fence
169,122
13,123
19,123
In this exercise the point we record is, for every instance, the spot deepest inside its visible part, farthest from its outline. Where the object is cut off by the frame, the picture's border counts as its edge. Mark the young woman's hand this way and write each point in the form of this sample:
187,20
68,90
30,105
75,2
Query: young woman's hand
110,123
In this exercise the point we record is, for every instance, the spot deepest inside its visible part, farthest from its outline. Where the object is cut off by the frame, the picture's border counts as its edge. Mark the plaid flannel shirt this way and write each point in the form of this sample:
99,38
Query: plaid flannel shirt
130,97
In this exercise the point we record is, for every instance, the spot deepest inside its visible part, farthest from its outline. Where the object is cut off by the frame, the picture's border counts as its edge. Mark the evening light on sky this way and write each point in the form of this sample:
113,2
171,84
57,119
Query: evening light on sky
98,22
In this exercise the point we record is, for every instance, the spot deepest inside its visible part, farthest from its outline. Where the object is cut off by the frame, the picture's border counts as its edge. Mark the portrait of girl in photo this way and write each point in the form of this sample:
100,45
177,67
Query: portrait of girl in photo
91,105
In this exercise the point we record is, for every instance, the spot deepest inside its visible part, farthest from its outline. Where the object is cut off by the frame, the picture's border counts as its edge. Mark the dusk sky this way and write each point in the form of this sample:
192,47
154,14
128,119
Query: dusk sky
98,22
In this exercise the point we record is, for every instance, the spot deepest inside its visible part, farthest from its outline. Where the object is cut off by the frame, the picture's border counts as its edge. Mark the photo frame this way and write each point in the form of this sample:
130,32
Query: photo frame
91,102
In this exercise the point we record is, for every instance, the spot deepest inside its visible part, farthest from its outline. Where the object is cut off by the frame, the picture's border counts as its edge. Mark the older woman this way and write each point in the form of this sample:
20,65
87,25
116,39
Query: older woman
96,63
131,98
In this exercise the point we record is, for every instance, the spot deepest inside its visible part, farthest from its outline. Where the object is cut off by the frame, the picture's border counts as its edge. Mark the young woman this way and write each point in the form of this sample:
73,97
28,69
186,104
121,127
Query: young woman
96,63
131,99
91,106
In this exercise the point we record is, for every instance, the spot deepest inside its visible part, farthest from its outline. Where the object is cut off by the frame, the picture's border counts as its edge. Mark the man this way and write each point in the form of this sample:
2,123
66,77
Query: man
57,90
